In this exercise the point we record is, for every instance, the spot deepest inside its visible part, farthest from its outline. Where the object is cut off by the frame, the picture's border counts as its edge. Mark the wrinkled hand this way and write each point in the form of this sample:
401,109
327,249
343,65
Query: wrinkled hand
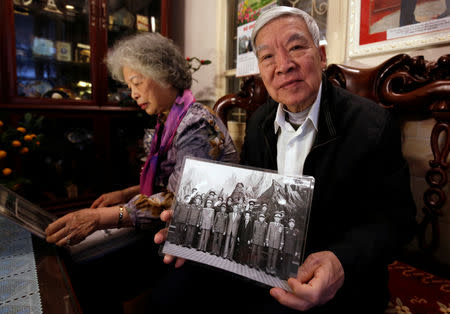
161,236
109,199
318,280
73,227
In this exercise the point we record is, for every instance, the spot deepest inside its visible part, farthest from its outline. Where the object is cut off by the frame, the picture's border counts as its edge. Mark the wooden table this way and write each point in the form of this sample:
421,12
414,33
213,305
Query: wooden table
55,288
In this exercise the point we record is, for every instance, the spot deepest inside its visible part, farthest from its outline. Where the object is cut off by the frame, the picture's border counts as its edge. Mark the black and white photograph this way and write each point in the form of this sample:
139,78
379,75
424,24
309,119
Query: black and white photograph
249,221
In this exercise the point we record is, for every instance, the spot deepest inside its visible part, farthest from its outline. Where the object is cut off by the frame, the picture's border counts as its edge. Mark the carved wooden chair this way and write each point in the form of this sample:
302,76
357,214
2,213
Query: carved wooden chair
416,90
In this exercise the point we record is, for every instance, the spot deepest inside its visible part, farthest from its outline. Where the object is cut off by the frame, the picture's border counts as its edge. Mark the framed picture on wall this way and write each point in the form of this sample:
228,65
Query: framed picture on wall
393,25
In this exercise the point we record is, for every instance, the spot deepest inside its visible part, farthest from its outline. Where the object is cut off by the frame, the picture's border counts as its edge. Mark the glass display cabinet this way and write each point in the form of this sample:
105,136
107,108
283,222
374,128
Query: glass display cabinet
52,65
55,48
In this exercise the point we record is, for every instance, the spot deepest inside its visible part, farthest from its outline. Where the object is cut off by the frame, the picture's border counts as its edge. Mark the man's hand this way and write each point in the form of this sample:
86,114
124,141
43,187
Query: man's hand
161,236
318,280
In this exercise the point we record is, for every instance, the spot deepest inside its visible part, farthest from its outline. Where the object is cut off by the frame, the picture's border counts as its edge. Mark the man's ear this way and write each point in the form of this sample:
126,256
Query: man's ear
323,56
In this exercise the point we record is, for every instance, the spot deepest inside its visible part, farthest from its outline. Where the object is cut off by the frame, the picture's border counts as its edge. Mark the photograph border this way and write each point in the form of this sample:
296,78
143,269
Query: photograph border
381,45
265,263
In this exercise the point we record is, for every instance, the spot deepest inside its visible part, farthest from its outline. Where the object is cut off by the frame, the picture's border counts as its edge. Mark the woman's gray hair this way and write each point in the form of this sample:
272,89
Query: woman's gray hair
154,56
278,11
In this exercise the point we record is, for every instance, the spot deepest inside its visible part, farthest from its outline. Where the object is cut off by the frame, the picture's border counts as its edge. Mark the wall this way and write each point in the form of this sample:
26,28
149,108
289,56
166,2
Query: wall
199,28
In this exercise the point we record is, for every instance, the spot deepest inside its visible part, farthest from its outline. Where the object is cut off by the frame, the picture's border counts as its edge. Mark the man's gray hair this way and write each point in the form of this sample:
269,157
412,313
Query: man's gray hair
153,55
278,11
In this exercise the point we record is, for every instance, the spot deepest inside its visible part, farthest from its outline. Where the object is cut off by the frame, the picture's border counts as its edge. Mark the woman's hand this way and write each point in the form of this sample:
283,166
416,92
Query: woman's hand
73,227
109,199
161,236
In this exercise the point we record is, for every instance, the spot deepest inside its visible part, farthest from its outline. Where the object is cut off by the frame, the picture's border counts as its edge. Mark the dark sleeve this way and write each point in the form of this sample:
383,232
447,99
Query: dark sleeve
387,220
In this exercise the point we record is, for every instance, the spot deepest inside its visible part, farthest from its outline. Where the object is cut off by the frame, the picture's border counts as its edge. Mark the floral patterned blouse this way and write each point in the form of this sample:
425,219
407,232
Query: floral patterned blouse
200,134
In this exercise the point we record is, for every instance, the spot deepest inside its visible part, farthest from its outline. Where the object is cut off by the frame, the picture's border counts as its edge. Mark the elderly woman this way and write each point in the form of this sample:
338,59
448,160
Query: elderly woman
160,80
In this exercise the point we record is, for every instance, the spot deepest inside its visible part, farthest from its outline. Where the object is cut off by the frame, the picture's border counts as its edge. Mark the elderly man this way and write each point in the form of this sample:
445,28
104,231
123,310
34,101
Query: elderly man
362,209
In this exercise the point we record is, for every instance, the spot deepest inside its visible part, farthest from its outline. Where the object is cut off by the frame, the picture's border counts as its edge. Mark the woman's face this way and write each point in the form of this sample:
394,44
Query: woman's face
149,95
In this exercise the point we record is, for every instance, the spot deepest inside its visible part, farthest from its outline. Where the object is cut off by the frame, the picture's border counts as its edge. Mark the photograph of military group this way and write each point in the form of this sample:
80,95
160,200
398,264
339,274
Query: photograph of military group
234,214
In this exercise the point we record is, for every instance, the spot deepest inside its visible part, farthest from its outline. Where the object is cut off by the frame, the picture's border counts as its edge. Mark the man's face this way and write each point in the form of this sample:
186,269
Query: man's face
289,63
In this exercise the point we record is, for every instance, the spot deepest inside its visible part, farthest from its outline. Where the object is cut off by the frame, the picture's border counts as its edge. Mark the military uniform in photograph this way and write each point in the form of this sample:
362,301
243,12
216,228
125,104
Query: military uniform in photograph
275,242
292,244
219,229
258,240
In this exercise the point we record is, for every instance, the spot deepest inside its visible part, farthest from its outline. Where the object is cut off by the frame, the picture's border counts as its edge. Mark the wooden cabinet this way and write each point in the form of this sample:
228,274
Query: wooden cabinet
51,62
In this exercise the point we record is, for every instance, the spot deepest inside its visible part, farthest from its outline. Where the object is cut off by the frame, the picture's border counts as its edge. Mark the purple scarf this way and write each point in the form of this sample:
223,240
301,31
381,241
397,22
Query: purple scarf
161,142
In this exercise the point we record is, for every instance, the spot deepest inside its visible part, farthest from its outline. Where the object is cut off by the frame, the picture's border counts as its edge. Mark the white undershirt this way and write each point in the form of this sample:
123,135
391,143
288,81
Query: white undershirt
294,145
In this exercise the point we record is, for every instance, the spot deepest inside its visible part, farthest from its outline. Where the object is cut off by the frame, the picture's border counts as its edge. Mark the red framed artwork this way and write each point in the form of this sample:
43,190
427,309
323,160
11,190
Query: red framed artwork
379,26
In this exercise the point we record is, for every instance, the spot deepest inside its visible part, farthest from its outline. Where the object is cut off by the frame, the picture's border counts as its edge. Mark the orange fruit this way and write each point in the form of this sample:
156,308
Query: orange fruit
28,138
1,123
6,171
33,135
38,143
16,143
21,129
3,154
24,150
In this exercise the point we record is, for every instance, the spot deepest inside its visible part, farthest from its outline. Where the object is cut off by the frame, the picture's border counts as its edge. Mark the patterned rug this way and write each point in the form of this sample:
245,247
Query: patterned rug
414,291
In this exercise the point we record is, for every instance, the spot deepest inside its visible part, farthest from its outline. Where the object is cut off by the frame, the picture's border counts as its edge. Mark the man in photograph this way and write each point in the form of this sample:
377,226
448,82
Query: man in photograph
251,208
211,196
232,229
180,217
258,241
217,204
274,243
193,220
206,223
219,229
263,210
292,244
245,231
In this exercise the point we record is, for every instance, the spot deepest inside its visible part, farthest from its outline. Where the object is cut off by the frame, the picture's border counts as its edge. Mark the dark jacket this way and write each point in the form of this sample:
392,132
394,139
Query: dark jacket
362,208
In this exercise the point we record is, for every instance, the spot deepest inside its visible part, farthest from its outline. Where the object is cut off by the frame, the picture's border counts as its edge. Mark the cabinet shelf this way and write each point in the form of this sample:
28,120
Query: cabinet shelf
47,59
